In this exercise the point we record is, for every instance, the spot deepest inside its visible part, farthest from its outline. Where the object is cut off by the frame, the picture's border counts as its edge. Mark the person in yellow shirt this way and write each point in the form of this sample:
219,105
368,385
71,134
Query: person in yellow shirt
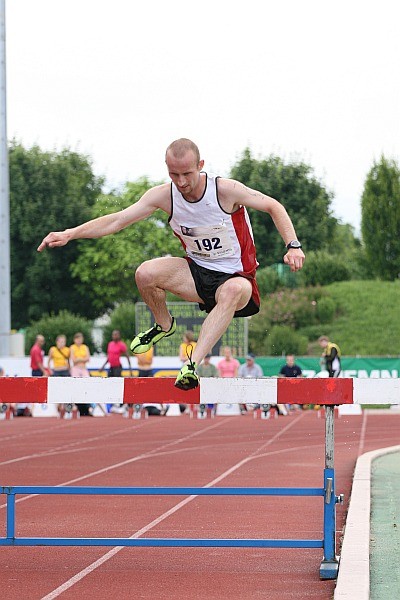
145,362
80,357
58,362
187,346
330,356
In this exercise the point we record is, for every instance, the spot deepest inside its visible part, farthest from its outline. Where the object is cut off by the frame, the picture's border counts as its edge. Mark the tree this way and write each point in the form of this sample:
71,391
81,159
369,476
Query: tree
106,266
123,319
304,197
50,326
323,268
48,191
380,220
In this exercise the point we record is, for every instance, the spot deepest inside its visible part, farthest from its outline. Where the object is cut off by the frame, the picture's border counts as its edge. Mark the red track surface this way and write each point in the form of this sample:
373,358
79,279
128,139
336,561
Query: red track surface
232,451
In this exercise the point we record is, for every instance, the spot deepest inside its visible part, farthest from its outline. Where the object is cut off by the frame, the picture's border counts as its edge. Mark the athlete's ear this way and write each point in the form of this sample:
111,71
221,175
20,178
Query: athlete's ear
201,165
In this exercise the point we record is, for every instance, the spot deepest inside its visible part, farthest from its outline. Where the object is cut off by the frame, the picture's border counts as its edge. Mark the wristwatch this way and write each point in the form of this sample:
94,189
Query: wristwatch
293,244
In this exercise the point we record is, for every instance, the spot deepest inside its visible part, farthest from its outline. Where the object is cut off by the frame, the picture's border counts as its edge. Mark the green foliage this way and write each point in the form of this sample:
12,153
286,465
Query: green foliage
366,321
380,224
304,197
48,191
268,280
293,307
63,323
322,267
106,266
302,309
284,340
325,309
123,319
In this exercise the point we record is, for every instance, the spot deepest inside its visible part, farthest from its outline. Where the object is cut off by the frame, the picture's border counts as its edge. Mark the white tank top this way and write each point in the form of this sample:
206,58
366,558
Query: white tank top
213,238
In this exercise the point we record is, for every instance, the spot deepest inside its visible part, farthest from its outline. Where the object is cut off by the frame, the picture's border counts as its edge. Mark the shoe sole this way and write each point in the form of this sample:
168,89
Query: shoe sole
155,340
187,383
186,387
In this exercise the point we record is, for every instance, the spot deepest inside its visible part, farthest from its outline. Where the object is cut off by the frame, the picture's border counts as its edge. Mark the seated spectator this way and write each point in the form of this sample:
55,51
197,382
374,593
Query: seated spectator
206,368
155,410
290,369
23,410
250,368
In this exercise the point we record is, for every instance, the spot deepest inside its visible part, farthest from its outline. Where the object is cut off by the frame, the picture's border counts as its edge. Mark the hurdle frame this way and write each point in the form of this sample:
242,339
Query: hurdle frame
328,393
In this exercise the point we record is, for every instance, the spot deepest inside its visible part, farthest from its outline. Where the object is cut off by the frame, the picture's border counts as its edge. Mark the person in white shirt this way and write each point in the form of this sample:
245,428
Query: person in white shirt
208,214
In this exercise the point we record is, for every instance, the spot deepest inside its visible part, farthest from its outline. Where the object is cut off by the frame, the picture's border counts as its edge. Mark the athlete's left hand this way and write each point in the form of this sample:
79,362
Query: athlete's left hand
294,258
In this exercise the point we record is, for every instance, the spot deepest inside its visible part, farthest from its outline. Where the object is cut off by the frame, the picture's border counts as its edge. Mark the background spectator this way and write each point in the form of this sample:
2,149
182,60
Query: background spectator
330,356
187,346
79,356
228,366
37,357
155,410
290,369
250,368
115,350
23,410
206,368
58,363
145,362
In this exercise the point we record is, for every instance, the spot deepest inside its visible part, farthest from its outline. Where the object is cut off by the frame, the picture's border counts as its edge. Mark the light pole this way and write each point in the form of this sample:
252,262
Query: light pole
5,302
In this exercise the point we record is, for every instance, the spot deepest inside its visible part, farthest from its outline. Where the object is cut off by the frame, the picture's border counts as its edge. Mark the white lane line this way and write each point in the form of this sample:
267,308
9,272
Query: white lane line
127,461
362,434
32,432
93,566
52,451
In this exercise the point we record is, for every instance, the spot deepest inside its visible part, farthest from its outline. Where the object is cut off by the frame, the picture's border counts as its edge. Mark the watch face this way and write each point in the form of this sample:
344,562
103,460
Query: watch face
294,244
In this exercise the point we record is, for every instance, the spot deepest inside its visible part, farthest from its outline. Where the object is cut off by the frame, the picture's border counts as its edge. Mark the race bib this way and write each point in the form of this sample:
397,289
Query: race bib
207,242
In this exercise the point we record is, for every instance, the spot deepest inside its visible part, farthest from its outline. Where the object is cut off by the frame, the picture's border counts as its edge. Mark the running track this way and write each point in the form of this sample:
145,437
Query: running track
226,451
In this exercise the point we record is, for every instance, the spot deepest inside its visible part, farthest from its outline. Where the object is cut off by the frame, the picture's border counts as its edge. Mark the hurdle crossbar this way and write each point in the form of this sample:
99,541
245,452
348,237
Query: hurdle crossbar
141,390
328,392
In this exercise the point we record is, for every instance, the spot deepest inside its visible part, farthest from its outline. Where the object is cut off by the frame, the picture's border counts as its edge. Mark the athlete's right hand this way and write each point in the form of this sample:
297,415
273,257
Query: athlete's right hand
54,240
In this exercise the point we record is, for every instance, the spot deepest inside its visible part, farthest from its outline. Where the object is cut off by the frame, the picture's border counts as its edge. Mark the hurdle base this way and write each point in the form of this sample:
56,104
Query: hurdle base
329,569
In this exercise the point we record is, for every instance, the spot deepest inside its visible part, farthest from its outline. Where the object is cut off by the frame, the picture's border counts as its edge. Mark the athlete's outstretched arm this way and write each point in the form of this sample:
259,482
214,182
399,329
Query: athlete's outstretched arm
234,194
153,199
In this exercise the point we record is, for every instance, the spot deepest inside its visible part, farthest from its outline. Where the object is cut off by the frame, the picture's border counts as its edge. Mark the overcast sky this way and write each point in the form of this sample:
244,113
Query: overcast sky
119,80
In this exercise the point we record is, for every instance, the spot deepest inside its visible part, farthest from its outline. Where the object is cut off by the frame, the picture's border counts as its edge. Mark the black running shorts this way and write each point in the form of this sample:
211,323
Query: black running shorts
207,282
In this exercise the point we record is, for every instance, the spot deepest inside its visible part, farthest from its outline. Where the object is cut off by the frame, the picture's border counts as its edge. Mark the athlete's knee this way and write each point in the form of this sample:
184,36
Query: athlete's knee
145,274
234,291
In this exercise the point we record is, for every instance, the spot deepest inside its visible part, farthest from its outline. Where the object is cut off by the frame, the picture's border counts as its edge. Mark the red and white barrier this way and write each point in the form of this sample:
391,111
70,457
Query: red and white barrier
136,390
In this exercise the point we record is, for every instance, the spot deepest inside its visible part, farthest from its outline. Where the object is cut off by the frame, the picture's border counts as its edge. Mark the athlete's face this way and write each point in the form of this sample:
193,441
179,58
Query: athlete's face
185,172
290,360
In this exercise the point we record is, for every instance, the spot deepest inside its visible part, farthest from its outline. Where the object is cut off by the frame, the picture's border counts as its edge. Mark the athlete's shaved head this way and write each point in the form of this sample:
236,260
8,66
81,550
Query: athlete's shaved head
180,147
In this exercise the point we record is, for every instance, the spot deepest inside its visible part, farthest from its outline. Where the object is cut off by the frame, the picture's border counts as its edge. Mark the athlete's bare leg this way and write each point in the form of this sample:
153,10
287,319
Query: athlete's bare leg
155,277
234,294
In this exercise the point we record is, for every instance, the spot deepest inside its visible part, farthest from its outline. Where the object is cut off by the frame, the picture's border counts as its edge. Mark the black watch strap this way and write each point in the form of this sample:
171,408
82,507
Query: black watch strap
293,244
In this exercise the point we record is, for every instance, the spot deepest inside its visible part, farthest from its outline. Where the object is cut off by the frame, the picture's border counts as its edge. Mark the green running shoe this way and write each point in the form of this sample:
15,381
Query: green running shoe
145,340
187,377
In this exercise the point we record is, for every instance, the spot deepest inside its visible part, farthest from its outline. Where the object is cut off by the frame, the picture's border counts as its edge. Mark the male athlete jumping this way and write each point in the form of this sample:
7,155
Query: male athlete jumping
208,214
